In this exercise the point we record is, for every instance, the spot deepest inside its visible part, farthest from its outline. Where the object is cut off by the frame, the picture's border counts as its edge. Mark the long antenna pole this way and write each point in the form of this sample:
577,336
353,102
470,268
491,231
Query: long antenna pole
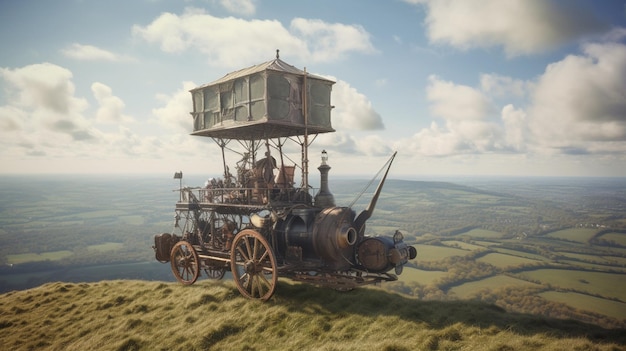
305,155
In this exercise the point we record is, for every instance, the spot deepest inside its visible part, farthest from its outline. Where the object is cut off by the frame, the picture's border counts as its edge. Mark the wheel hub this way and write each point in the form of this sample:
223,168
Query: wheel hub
250,267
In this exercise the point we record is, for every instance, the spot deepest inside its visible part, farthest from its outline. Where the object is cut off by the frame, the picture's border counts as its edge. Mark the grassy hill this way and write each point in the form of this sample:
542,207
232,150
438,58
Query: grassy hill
129,315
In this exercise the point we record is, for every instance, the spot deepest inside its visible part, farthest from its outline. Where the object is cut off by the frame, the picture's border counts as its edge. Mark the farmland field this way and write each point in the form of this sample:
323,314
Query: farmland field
581,235
463,245
619,238
34,257
482,233
502,260
466,290
435,253
421,276
608,285
614,309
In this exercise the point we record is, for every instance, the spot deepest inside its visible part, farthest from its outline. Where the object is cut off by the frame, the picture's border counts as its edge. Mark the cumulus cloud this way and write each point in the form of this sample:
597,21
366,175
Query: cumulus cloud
580,101
233,42
44,86
501,86
91,53
174,115
43,95
456,102
351,144
111,107
330,41
353,109
521,27
577,106
240,7
44,117
469,122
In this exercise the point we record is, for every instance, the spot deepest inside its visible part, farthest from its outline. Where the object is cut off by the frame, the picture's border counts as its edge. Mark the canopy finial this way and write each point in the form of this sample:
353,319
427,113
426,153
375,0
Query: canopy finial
277,55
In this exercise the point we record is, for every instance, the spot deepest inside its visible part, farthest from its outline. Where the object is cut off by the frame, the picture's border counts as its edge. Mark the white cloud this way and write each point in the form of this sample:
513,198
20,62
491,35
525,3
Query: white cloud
331,41
354,111
580,102
91,53
577,106
46,118
11,118
521,27
44,86
456,102
374,145
43,95
240,7
111,107
498,86
339,141
234,42
174,116
468,126
515,128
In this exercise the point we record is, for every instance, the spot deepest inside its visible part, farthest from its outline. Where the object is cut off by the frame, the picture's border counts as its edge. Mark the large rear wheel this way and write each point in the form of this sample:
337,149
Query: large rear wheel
185,263
253,265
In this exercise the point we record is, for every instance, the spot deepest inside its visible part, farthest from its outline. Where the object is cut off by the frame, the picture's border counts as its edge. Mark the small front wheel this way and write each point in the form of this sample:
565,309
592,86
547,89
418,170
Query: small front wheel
185,263
253,265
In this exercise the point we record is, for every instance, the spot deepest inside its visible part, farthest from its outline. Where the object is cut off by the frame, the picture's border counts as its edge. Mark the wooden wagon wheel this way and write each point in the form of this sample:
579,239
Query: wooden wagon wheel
253,265
215,273
185,263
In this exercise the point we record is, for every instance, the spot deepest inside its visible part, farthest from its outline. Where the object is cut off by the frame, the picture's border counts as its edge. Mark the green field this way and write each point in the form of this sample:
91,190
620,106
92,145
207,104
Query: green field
619,238
59,255
588,258
527,255
502,260
105,247
36,257
436,253
580,235
467,290
610,285
420,276
610,308
482,233
462,245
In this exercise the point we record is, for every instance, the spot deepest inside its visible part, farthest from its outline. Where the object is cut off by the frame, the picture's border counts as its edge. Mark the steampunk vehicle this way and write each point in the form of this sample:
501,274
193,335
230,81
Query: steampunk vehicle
257,223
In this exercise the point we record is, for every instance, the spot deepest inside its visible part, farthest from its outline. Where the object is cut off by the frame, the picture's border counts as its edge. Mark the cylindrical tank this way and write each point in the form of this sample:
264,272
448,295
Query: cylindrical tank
334,237
327,234
381,253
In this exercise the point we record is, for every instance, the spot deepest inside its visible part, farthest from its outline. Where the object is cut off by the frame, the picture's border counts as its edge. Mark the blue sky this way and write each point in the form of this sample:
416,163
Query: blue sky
484,87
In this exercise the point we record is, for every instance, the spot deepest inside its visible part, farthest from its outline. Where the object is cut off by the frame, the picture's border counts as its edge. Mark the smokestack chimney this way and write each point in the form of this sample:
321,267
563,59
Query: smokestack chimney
324,198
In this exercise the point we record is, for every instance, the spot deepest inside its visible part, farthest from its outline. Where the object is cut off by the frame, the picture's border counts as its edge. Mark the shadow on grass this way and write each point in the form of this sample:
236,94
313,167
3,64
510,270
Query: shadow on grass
435,314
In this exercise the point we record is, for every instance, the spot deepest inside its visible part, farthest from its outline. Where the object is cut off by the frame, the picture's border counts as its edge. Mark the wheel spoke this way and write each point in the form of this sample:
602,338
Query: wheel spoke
250,285
259,285
256,248
263,280
245,256
249,252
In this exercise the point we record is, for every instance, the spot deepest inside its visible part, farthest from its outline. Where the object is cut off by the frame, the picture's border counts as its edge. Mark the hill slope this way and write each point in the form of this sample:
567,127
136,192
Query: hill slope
129,315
